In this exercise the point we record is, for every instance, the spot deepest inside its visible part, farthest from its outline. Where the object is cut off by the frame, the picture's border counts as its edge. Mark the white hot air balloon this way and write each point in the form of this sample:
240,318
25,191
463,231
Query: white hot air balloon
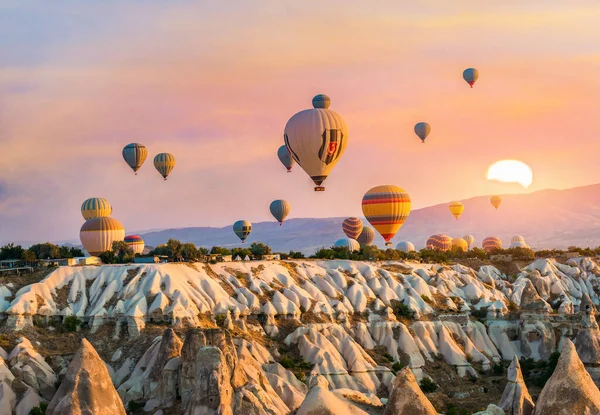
405,247
349,243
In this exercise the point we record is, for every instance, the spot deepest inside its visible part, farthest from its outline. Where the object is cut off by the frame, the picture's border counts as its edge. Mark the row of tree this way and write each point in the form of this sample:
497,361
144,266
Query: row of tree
39,251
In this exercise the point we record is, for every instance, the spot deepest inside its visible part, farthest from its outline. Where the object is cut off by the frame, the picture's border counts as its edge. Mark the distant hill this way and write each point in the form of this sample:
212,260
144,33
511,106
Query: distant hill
547,219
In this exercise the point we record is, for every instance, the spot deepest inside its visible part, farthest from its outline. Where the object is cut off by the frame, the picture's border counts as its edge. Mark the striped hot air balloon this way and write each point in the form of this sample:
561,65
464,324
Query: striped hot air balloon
367,236
470,75
456,208
98,234
422,130
441,242
317,139
495,201
386,207
164,163
280,209
242,229
136,243
95,207
405,247
460,243
491,243
285,157
348,243
135,154
470,240
352,227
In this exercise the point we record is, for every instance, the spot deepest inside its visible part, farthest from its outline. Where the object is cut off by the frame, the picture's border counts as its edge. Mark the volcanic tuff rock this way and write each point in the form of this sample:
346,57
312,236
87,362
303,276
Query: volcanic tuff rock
86,388
407,397
570,389
320,401
516,399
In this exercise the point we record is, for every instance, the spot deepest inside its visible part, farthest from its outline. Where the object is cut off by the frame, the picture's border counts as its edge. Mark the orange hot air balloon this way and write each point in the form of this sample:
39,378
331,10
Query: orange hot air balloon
386,207
491,243
352,227
456,208
441,242
495,201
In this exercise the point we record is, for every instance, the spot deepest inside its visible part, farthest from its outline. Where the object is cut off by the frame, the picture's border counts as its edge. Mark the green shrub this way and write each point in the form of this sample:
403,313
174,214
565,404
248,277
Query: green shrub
397,367
427,385
134,407
220,319
427,299
39,410
388,357
70,323
498,368
401,310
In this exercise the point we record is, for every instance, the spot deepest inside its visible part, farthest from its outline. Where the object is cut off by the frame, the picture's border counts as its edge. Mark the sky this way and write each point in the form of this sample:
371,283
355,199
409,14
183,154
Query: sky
214,83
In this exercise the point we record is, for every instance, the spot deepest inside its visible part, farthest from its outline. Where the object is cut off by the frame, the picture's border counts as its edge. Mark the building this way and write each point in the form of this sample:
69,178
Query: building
146,260
11,263
218,258
59,262
271,257
88,260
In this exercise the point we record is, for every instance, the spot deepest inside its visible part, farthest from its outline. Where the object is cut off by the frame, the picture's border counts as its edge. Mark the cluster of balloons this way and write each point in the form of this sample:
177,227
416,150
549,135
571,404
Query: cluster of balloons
135,154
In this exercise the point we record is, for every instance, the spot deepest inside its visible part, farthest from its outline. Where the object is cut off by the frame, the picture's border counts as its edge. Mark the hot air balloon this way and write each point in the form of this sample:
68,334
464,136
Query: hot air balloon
519,244
316,138
98,234
491,243
164,163
470,240
456,208
441,242
242,229
422,130
460,243
495,201
470,75
95,207
352,227
517,238
405,247
135,154
285,157
136,243
366,236
386,207
348,243
280,209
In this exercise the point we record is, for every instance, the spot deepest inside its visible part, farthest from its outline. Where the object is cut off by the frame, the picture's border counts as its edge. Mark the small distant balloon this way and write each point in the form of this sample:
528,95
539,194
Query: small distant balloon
242,229
495,201
470,75
135,154
352,227
164,163
470,240
348,243
285,157
280,209
456,209
366,237
95,207
422,130
491,243
440,242
405,246
386,207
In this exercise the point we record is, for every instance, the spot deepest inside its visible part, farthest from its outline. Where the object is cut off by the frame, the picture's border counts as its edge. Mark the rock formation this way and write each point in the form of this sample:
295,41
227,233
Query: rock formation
407,397
516,399
87,388
320,401
570,389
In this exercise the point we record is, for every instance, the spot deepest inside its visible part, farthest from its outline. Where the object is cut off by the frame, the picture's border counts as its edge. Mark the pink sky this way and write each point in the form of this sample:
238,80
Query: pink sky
215,85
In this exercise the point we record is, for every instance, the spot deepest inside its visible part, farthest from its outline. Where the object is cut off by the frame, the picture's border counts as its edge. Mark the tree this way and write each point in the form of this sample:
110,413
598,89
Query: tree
123,252
241,252
219,250
11,251
296,255
45,251
202,251
189,252
174,247
259,249
28,256
108,257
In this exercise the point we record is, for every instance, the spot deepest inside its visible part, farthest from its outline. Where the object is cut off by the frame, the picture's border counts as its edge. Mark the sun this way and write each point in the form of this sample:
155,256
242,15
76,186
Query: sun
511,171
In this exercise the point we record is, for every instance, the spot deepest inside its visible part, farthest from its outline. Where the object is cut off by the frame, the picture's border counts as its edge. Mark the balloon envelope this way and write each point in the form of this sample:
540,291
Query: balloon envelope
405,246
456,208
280,209
164,163
441,242
136,243
95,207
352,227
460,243
135,154
367,236
495,201
386,207
348,243
242,229
470,240
422,130
98,234
317,139
285,157
470,75
491,243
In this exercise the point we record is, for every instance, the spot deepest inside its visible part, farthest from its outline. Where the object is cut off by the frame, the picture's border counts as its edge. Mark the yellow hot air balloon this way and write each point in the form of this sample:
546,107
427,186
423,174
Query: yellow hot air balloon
164,163
95,207
386,208
460,243
495,201
456,208
316,139
98,234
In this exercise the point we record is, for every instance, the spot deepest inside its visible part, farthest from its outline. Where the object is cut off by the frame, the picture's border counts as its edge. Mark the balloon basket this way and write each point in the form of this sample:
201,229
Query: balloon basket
319,189
388,244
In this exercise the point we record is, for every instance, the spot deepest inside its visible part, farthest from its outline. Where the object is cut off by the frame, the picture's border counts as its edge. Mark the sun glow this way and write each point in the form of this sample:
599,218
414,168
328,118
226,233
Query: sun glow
511,171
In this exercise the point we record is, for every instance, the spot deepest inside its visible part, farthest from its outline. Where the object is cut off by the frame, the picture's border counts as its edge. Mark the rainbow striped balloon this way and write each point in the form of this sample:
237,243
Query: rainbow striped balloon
491,243
136,243
441,242
386,207
352,227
